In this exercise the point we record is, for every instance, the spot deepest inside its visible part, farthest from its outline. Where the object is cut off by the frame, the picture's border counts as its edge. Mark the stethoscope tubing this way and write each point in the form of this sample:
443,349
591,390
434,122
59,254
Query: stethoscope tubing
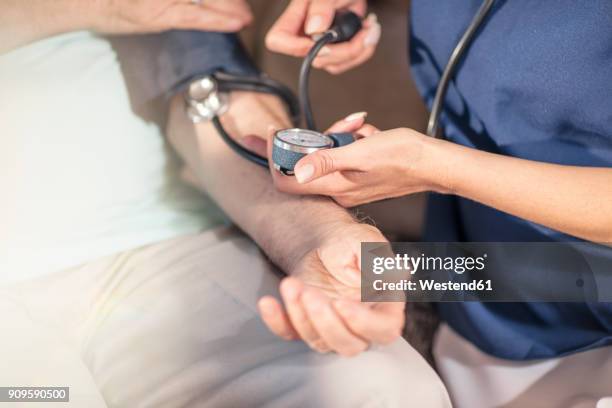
266,85
458,52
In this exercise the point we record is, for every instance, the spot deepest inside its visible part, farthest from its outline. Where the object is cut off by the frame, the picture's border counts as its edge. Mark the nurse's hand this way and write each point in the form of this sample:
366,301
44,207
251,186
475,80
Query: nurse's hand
380,165
291,34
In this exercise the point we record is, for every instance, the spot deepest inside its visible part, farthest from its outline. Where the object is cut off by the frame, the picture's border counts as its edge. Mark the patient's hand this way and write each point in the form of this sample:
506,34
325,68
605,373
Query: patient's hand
143,16
23,22
321,298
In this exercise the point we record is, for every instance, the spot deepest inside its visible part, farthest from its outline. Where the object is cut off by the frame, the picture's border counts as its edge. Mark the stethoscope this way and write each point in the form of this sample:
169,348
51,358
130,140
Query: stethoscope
207,98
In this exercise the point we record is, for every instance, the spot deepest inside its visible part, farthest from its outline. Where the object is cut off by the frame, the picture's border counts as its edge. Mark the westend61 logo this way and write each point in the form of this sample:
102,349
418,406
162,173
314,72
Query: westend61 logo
414,264
486,272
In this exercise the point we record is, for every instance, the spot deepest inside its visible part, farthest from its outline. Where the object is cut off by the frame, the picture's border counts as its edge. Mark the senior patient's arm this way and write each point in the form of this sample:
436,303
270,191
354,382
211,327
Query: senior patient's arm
22,21
311,238
25,21
283,226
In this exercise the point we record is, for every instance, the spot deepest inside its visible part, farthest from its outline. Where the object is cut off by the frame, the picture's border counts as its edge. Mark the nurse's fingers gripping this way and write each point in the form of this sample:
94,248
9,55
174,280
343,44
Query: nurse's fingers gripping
319,16
325,162
349,124
355,122
354,52
286,35
340,68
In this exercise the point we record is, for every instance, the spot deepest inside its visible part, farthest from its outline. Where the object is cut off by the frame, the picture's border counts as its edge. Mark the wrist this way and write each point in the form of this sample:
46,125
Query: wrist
344,229
437,165
301,226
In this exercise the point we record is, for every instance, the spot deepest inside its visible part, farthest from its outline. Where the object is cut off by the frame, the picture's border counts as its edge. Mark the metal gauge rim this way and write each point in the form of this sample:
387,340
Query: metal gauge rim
281,139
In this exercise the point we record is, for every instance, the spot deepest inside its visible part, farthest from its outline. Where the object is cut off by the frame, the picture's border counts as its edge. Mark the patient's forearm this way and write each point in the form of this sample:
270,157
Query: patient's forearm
284,226
25,21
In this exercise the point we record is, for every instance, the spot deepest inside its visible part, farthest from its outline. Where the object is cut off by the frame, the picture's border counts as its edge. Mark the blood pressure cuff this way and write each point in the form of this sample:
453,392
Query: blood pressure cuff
187,54
160,65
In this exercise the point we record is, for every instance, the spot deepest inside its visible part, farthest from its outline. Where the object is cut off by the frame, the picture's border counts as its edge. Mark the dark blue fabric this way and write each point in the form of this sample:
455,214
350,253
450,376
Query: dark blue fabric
158,65
536,84
186,54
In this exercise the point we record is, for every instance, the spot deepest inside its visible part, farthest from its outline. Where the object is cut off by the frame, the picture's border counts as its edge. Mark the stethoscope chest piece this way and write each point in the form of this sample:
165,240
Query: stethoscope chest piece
204,101
290,145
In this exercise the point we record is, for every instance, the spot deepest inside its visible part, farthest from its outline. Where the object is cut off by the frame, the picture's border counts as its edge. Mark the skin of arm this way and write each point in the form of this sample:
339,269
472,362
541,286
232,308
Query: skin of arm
571,199
22,22
244,190
315,240
25,21
312,239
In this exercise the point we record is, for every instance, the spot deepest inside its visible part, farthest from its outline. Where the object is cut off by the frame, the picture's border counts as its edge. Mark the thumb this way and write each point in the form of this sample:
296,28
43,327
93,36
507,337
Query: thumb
351,123
341,260
322,163
319,17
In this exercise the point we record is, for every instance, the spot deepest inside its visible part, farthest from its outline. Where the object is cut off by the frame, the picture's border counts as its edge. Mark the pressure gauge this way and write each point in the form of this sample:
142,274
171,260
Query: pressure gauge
290,145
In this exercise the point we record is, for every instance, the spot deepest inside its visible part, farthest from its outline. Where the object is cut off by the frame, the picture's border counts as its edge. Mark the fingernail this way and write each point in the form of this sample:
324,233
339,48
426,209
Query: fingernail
314,25
324,51
355,116
304,173
373,36
315,345
372,18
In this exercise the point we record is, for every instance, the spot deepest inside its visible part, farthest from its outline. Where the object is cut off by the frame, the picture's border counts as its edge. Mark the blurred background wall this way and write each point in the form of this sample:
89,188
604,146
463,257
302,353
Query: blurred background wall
382,87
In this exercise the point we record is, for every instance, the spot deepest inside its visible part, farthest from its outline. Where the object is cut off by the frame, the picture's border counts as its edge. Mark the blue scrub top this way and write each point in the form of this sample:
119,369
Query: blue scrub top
535,84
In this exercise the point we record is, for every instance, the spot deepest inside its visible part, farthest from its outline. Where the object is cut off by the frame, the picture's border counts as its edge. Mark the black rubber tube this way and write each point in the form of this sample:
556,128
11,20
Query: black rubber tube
304,91
456,55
